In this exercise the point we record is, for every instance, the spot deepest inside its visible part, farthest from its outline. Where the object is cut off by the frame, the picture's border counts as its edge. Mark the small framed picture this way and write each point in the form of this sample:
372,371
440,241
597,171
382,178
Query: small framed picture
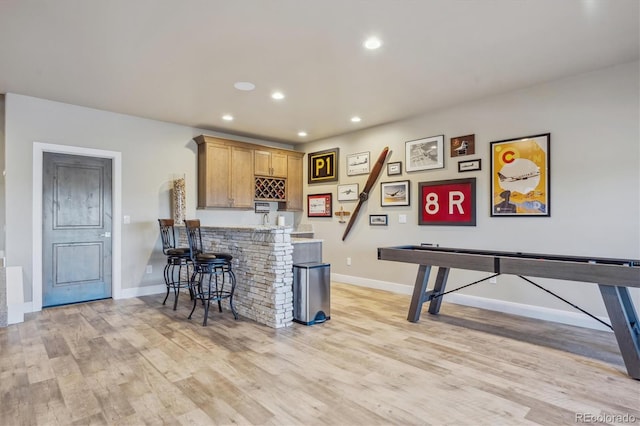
348,192
463,145
469,166
319,205
358,164
425,154
395,193
394,168
378,220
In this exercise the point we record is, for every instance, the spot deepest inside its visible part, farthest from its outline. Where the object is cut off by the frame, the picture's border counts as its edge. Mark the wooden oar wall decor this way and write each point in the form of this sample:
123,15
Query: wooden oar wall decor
364,195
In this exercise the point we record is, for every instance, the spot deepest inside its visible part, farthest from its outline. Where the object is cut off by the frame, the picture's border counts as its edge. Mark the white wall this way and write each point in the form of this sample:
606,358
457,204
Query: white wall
595,186
3,204
595,181
153,154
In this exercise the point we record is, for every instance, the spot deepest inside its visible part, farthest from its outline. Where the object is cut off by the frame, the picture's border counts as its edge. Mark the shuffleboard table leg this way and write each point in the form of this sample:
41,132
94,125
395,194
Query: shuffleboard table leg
624,322
419,293
438,287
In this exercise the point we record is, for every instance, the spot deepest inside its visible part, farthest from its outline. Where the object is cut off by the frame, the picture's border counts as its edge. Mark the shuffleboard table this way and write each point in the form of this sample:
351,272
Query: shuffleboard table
614,277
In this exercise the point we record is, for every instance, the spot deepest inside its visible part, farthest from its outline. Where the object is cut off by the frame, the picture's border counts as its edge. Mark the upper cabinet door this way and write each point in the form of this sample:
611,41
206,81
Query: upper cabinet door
271,164
242,183
262,165
214,185
225,175
279,164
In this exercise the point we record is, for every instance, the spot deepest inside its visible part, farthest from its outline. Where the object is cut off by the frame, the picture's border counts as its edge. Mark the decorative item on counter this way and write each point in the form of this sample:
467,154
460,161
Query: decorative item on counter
179,201
280,220
342,214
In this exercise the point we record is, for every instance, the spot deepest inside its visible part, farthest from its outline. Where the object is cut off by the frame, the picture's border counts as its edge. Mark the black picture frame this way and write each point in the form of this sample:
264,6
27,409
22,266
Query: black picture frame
469,165
397,193
521,176
323,166
378,220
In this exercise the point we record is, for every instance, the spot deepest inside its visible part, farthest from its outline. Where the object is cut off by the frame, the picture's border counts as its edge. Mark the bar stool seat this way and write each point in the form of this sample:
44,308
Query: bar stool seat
177,259
213,279
180,251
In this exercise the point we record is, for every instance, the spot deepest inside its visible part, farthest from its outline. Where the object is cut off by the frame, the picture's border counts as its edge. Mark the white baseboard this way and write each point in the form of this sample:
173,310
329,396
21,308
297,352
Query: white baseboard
369,283
127,293
529,311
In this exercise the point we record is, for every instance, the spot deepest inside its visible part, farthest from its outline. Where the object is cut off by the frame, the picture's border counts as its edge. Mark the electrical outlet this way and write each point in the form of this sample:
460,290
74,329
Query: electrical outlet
348,261
149,269
493,280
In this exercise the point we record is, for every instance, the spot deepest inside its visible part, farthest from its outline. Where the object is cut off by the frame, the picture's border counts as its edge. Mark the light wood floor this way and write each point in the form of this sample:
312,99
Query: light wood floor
136,362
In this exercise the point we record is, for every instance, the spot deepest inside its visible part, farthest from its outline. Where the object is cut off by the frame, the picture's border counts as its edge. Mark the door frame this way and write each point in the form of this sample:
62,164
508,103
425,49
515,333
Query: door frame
116,263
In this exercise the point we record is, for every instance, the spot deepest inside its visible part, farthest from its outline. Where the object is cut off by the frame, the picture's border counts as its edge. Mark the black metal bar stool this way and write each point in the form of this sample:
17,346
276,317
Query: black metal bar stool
177,259
213,279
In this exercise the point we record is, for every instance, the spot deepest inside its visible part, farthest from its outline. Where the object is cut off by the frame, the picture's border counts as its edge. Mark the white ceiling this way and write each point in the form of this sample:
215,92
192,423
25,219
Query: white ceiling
177,60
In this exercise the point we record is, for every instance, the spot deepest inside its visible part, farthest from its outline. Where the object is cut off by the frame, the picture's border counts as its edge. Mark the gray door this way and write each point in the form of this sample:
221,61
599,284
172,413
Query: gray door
76,234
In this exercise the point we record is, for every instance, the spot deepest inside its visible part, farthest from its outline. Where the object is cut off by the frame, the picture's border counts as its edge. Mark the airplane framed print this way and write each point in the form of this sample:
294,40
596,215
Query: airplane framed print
520,181
395,193
348,192
358,164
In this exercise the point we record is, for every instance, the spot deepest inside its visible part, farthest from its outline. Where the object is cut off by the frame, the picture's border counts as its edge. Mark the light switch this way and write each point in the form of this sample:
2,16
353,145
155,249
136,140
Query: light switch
126,219
402,218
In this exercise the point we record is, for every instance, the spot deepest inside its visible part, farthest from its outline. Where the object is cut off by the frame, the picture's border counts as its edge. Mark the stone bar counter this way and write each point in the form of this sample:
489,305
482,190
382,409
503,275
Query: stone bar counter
262,262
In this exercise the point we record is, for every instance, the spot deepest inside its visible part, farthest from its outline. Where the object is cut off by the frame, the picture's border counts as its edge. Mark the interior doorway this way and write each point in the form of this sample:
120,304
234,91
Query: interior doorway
39,149
76,228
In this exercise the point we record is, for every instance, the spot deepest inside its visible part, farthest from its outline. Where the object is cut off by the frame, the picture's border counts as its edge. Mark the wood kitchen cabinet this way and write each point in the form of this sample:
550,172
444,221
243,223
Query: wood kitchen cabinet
225,174
233,174
270,163
294,183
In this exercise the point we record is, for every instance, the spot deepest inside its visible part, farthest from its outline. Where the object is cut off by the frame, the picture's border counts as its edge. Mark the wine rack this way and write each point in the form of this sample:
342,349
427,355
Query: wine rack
272,189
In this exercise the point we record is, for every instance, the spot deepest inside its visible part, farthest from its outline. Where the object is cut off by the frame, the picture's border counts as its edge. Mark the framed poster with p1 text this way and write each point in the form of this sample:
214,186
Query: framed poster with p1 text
323,166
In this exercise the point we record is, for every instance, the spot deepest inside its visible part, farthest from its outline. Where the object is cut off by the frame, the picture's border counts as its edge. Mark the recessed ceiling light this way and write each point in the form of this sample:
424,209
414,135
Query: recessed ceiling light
356,119
244,85
277,95
302,134
227,117
372,43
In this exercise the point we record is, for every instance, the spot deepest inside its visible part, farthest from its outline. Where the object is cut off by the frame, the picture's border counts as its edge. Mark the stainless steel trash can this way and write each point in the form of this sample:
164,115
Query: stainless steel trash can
311,292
